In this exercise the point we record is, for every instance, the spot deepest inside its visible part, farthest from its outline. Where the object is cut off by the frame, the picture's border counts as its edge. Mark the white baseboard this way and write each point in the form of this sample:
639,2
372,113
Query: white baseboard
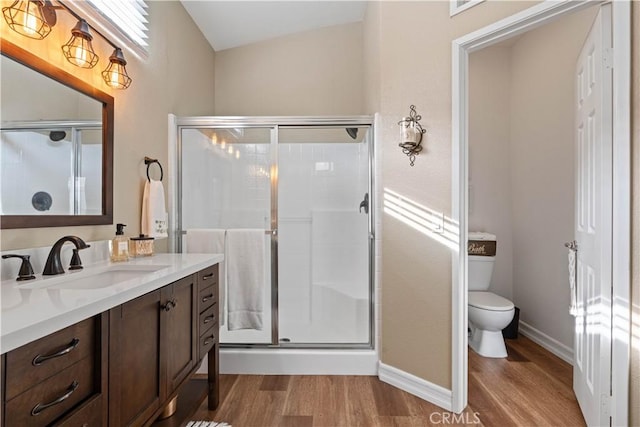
554,346
417,386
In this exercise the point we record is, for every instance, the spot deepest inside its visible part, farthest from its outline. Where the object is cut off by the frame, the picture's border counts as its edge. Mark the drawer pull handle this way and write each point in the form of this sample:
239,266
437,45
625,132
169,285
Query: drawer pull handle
207,297
42,406
169,305
39,359
209,340
209,319
207,276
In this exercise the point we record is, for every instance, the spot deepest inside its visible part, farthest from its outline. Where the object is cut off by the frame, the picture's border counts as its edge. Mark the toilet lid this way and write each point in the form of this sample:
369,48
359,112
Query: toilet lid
489,301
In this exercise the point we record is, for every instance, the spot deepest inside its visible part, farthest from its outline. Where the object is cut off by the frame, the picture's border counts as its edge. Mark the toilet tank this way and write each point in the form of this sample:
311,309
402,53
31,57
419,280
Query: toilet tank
480,272
481,266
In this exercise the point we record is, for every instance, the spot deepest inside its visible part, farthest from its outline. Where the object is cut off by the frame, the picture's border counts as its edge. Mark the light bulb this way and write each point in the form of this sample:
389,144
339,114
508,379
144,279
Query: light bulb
237,154
80,56
114,78
30,23
214,139
230,151
223,144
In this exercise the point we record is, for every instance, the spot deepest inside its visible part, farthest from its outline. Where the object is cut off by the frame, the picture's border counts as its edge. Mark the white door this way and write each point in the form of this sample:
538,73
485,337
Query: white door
592,344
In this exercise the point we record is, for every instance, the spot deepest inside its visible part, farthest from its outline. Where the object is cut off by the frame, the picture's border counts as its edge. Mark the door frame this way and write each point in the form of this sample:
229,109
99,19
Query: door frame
514,25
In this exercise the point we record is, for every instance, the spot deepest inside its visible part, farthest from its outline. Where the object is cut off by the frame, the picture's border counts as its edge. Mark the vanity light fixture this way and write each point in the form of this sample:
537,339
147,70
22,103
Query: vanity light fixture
78,50
35,18
31,18
115,75
411,134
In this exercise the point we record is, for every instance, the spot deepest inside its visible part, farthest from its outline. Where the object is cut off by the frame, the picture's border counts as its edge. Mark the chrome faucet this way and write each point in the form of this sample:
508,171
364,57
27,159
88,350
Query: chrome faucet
53,265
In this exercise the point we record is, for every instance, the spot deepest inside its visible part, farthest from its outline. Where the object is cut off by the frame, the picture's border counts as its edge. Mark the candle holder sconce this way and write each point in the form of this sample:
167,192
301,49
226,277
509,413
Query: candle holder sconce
411,134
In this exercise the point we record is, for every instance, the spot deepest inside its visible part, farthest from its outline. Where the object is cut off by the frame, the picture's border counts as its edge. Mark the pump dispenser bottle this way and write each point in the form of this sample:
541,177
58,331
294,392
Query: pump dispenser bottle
119,247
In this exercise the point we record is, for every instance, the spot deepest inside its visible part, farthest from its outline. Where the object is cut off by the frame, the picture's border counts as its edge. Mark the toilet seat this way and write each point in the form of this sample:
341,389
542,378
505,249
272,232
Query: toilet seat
489,301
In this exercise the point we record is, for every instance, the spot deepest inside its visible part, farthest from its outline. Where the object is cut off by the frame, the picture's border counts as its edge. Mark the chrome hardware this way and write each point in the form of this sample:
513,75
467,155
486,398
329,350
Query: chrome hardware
39,359
207,297
169,305
572,245
42,406
207,276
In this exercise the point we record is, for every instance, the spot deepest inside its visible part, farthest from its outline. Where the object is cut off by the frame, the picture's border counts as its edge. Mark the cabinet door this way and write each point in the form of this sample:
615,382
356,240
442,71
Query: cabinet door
135,374
179,333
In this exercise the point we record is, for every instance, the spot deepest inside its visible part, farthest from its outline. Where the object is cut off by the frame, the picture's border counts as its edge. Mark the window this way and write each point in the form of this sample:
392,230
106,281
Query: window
457,6
123,21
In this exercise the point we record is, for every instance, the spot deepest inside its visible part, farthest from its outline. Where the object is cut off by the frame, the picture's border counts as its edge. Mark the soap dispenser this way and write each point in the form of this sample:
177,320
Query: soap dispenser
119,248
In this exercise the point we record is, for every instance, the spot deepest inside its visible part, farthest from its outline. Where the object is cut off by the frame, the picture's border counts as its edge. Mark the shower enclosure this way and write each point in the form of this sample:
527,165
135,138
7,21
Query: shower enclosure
307,183
51,167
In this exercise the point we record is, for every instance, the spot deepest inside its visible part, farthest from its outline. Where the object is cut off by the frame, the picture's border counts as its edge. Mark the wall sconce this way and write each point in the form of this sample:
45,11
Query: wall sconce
115,75
31,18
78,50
35,19
411,134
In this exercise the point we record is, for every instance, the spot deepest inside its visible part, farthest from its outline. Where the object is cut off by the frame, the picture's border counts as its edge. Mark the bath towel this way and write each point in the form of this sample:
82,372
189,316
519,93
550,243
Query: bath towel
573,306
211,241
245,278
154,212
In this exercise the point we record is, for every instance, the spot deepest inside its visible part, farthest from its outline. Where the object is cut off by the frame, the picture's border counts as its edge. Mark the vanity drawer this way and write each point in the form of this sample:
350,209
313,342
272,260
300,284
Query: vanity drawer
207,297
89,414
208,339
53,397
208,277
32,363
208,317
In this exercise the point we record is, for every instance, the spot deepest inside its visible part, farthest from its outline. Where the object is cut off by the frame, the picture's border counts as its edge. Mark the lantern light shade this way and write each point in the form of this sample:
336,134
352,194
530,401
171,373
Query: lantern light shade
27,17
78,50
115,75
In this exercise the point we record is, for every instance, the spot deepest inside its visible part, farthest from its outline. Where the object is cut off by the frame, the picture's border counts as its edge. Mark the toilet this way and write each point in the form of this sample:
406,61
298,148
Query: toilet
488,313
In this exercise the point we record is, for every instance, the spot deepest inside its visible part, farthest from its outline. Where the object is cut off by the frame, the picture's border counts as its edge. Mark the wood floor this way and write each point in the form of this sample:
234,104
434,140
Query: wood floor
531,387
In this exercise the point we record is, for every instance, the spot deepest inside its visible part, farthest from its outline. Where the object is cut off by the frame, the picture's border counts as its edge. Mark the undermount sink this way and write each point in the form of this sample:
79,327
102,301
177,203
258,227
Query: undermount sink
98,279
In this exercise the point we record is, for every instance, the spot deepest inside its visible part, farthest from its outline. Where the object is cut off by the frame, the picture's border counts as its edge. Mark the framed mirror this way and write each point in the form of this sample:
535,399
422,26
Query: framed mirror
56,146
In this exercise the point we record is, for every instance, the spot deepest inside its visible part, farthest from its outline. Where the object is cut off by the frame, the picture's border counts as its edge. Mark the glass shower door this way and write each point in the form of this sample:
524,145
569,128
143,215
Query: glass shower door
323,235
226,185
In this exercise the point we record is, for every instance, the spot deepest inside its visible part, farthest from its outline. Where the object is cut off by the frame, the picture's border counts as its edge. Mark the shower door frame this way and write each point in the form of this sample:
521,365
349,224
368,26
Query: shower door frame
273,123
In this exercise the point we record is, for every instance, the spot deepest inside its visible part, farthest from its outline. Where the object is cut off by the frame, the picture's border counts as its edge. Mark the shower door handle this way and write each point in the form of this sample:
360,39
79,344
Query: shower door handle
364,204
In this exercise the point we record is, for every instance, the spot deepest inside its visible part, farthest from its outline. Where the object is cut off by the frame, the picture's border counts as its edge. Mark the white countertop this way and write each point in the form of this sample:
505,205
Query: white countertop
36,308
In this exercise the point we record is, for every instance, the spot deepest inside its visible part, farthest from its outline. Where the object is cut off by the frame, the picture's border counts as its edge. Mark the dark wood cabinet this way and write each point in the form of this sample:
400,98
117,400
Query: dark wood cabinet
120,368
54,379
179,331
135,374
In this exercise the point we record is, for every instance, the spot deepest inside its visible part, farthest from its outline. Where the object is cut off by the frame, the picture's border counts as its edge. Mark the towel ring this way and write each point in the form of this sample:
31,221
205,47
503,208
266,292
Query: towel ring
148,161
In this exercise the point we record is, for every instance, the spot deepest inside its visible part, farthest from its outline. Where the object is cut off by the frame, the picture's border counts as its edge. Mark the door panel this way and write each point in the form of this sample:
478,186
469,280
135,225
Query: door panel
591,377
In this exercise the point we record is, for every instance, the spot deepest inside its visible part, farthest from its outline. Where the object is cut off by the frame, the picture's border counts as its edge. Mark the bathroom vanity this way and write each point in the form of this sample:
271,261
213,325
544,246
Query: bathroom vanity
112,345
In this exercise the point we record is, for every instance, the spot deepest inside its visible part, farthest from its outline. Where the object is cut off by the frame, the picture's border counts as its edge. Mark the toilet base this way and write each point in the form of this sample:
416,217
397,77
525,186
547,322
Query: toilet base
487,343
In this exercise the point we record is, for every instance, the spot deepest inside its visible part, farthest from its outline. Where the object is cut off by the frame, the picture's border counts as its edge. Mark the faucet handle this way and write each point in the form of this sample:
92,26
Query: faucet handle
26,271
76,262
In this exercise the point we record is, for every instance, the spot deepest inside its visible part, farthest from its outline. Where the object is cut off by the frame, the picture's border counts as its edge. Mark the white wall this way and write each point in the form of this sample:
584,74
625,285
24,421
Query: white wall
317,72
522,166
489,157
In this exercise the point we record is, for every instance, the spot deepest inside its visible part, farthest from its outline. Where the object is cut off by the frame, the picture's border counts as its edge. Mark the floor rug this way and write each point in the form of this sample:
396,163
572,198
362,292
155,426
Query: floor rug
207,424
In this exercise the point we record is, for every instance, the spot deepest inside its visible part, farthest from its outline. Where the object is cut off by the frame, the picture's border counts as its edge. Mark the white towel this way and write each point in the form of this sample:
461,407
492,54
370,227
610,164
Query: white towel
245,278
573,306
210,241
154,212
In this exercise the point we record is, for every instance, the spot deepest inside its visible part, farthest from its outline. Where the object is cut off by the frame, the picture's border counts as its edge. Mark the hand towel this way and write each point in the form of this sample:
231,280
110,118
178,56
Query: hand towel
573,306
211,241
154,212
245,278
